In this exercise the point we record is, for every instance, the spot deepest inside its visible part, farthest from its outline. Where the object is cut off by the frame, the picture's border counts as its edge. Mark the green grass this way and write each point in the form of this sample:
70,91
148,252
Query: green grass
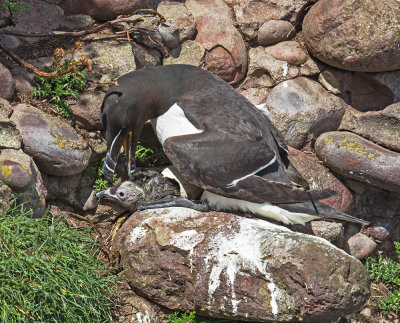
59,89
15,8
49,272
386,271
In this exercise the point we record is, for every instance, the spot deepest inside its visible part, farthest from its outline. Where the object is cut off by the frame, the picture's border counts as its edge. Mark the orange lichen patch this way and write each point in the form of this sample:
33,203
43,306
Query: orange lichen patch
61,144
6,171
26,168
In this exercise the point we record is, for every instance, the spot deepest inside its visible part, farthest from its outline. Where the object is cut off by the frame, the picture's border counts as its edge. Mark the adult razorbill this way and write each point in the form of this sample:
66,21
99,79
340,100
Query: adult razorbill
214,137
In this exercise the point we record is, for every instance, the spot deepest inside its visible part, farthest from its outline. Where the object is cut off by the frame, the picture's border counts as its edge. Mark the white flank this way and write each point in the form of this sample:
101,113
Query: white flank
273,160
173,123
265,210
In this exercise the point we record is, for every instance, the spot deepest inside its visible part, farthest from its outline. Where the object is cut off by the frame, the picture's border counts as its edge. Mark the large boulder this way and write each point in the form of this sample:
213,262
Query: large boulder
54,145
382,127
106,9
302,110
19,172
226,53
86,112
354,157
357,36
274,31
190,52
236,268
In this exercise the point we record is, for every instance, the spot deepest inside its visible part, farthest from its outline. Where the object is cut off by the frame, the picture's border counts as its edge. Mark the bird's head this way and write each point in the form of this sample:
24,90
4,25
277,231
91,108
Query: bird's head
127,194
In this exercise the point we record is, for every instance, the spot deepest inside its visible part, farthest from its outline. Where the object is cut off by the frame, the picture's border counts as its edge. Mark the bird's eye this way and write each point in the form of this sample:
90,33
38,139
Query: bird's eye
121,194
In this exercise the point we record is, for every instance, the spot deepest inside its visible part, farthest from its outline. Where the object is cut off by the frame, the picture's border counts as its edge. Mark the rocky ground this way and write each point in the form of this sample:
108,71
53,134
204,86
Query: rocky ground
327,73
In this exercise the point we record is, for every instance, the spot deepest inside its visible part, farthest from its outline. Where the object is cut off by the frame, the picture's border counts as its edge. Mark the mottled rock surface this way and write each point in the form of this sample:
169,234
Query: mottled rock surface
358,36
9,134
106,9
226,53
19,172
274,31
355,157
7,84
361,246
232,267
191,53
54,145
382,127
178,19
86,112
302,110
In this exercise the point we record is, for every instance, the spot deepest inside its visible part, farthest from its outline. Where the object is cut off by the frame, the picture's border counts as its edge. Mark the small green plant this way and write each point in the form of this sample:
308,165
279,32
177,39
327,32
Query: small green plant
65,79
148,156
95,170
14,8
49,272
387,271
182,317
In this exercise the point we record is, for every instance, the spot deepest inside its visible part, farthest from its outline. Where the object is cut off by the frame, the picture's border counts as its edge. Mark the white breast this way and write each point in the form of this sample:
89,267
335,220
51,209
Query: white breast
173,123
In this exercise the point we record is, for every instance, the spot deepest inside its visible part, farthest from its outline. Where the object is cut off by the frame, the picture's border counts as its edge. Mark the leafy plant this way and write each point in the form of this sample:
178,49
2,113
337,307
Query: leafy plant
14,8
148,156
65,79
387,271
49,272
182,317
95,170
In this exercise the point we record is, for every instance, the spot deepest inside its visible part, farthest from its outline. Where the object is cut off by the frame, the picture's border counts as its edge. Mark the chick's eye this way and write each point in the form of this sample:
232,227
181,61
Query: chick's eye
121,194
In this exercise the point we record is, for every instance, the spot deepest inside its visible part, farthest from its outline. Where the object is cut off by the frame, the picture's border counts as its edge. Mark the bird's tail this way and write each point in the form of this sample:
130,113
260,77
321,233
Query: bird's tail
322,210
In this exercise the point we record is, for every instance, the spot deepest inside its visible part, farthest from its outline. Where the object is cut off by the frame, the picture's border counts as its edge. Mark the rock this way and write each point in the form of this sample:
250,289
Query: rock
6,194
320,178
361,246
10,41
190,53
382,127
360,90
9,134
226,53
354,157
373,203
145,57
54,145
76,22
23,79
310,67
358,36
378,233
235,268
255,95
111,59
7,84
19,172
106,213
178,19
333,232
73,190
275,31
391,80
288,51
86,112
266,71
251,14
5,108
302,110
106,9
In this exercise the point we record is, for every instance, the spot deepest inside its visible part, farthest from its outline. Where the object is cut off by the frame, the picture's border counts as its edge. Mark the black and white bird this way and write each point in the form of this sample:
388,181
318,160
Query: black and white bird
216,139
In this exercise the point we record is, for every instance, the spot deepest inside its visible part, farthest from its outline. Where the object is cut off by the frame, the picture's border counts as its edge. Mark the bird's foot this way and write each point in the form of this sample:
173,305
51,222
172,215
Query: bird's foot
174,202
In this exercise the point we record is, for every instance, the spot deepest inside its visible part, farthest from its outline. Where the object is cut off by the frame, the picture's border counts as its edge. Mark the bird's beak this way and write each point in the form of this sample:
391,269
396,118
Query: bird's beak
110,162
130,158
